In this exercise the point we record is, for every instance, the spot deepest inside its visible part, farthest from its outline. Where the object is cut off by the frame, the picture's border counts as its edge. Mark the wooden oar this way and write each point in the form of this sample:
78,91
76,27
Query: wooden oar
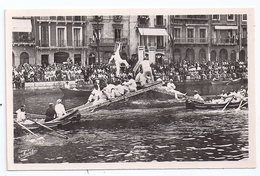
228,103
26,128
60,134
240,106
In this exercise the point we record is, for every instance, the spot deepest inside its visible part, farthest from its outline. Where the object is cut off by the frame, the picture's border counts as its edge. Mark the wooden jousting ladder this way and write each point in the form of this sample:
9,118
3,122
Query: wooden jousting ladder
88,107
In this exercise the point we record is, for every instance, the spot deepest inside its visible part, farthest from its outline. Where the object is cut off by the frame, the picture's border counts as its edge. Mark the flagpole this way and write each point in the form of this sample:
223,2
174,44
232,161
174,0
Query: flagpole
98,39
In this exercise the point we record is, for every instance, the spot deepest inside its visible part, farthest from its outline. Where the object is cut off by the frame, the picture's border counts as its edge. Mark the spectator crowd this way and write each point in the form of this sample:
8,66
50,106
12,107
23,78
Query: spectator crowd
178,71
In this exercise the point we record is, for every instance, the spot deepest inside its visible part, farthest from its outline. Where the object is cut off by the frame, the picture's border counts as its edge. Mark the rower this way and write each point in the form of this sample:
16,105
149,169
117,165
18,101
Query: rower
95,94
21,114
197,96
50,113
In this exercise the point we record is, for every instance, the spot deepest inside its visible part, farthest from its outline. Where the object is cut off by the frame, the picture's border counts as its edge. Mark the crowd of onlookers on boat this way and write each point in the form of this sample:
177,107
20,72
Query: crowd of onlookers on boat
178,71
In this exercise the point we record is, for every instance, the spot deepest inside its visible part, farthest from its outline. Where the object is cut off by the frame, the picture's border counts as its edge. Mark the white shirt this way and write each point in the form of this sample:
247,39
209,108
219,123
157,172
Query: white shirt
60,109
198,97
171,85
20,115
146,65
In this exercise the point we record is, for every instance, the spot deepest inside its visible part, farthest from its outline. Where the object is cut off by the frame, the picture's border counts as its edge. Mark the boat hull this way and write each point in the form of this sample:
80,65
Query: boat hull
64,120
76,93
190,104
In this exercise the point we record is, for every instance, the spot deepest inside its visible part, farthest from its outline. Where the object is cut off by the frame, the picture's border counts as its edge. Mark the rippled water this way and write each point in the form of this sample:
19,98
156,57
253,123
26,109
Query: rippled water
150,127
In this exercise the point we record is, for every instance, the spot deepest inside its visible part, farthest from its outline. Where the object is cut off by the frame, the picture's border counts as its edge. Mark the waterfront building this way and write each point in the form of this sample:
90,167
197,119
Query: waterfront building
59,38
101,35
149,35
166,39
23,43
202,38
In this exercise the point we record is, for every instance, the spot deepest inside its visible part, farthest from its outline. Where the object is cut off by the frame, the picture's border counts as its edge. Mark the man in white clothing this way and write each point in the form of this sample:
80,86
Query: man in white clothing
197,96
60,109
171,87
118,60
147,70
21,114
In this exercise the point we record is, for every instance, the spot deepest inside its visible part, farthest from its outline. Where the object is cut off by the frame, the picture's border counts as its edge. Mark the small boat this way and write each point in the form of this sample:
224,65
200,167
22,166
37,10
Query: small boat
217,82
76,92
64,120
193,104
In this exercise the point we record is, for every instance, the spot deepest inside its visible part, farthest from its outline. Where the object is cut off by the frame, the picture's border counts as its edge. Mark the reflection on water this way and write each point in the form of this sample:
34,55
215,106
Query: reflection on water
146,128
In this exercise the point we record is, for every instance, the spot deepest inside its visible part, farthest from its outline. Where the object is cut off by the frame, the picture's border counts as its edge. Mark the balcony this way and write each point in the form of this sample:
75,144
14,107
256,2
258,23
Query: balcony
223,41
28,42
117,18
191,40
23,38
61,44
191,17
62,19
143,21
108,41
160,23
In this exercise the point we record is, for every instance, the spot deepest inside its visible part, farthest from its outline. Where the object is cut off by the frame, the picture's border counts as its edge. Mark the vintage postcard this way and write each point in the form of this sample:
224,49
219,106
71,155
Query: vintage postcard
130,89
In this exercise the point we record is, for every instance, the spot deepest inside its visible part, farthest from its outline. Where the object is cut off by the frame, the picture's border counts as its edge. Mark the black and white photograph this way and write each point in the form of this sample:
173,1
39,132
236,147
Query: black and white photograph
125,88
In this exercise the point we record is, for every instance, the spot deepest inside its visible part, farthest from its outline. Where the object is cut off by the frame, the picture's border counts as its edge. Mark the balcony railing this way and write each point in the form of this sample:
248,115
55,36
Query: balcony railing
61,43
109,40
224,41
160,23
191,40
191,17
66,19
23,41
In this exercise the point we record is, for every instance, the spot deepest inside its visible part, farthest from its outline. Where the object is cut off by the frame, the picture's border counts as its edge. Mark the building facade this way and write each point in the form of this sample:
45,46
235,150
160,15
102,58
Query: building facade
166,39
202,38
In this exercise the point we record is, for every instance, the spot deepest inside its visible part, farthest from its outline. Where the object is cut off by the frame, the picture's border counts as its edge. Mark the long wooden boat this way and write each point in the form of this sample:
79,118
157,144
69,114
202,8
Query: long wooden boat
64,120
76,92
86,108
193,104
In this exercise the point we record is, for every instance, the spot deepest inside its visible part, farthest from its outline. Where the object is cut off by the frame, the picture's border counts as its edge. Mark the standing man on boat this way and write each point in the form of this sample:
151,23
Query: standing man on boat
50,113
147,70
60,109
118,60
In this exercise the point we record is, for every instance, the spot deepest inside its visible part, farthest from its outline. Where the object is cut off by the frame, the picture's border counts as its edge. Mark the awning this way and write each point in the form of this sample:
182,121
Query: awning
22,25
152,31
226,27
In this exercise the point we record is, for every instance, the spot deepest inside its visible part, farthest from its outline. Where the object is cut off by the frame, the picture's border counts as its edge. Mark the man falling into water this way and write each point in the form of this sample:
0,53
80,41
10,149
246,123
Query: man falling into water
118,60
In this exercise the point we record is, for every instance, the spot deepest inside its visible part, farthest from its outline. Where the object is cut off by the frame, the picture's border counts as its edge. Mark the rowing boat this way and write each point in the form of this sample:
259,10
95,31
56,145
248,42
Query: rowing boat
76,92
66,119
85,108
194,104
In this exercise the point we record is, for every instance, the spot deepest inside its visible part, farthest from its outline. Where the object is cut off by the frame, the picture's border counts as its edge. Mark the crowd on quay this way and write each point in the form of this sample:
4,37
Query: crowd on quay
177,71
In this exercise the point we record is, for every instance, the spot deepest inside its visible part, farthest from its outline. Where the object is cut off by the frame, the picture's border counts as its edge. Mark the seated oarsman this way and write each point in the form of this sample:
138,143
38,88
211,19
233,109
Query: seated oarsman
109,91
197,96
50,113
130,84
140,78
21,114
121,90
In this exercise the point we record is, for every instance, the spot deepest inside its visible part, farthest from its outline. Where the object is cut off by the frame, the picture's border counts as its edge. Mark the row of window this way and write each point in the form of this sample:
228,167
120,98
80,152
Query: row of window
230,17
